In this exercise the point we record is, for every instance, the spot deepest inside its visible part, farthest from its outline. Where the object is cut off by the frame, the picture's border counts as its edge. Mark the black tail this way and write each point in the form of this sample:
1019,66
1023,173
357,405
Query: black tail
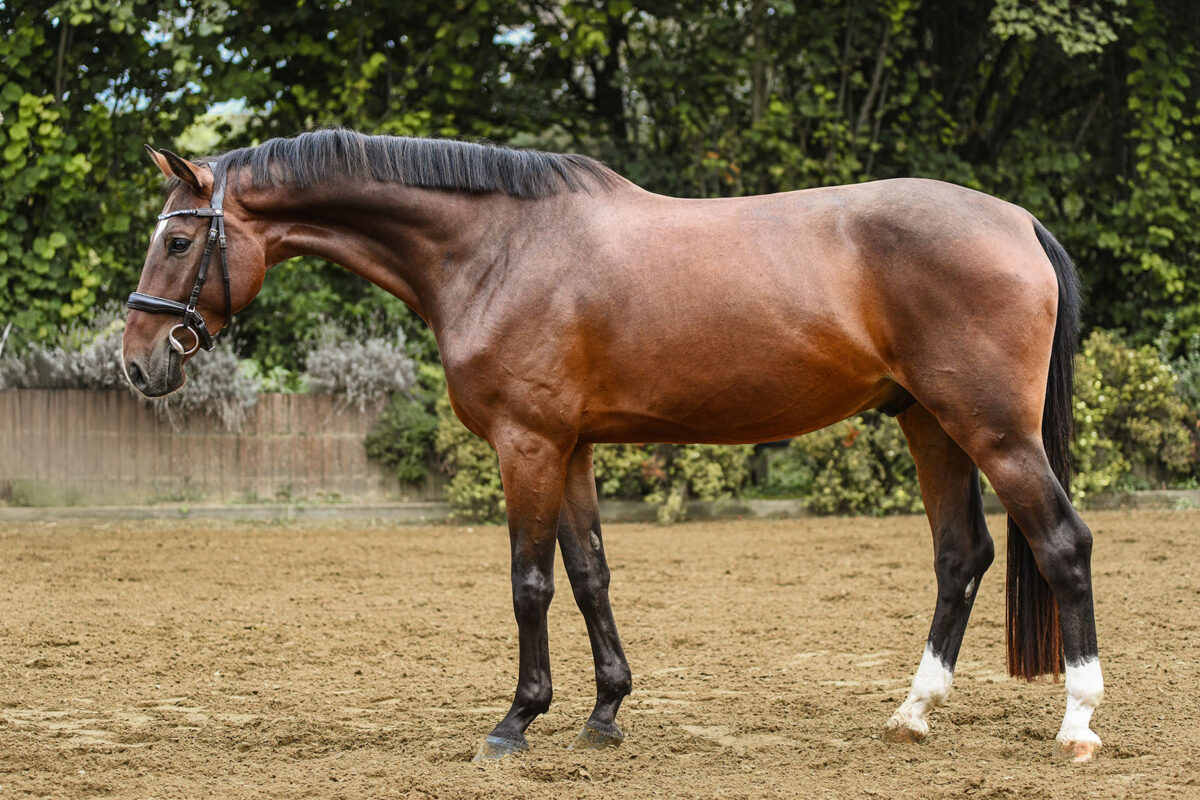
1031,622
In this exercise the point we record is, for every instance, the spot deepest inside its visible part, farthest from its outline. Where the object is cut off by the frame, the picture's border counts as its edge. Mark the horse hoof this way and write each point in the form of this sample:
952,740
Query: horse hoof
1078,751
596,736
495,747
899,731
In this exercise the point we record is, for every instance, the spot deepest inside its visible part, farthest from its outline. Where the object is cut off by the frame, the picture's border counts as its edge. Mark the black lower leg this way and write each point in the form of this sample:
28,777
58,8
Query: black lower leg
583,555
1061,544
963,553
533,471
533,588
1062,548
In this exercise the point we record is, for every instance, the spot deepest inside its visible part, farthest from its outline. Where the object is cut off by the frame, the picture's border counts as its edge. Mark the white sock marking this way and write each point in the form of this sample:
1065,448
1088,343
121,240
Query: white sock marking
1085,690
930,687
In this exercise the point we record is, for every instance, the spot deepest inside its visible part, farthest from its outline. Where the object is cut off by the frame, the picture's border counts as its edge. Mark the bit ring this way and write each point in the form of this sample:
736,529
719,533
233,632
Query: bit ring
178,346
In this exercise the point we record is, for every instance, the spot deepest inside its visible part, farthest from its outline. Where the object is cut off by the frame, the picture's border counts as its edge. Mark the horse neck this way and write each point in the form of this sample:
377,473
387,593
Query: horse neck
420,245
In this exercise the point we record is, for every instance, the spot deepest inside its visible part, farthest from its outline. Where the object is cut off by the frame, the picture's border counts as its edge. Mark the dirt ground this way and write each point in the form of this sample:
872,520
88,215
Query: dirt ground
211,659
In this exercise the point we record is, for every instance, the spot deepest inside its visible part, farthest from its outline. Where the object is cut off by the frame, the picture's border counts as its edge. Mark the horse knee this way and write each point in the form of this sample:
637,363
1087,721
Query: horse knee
532,591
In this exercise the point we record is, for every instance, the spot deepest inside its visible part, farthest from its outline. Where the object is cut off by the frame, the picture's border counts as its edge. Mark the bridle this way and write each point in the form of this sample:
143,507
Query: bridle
192,321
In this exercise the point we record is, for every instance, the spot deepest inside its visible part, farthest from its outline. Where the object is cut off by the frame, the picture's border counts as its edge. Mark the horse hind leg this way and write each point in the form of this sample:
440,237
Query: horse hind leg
582,548
1061,544
962,553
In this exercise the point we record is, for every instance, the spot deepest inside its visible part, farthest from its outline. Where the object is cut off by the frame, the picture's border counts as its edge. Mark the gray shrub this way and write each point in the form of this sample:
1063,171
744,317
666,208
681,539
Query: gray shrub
364,372
89,357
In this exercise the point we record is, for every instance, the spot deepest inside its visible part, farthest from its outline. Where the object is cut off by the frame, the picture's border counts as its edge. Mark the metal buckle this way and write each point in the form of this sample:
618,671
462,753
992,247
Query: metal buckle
177,345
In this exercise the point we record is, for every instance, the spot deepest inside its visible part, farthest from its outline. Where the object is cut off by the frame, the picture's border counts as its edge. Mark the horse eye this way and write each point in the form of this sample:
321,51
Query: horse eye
179,245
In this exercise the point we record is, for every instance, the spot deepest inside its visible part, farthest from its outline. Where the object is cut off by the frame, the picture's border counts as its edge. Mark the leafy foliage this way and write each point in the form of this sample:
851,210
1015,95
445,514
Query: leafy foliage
1130,424
402,438
664,475
699,471
670,475
858,466
475,489
1187,370
85,83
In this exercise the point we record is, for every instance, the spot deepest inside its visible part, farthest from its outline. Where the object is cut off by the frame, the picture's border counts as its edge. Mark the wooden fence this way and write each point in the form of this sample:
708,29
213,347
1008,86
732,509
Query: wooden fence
75,447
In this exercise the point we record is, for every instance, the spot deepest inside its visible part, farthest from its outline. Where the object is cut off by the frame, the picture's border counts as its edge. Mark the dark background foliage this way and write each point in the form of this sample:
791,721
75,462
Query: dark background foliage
1085,112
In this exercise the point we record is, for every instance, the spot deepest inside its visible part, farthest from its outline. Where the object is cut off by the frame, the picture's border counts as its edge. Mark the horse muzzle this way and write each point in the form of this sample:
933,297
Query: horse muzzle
157,374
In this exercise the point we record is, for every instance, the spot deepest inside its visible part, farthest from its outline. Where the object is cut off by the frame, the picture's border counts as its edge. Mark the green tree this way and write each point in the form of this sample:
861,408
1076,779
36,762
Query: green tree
1083,111
85,83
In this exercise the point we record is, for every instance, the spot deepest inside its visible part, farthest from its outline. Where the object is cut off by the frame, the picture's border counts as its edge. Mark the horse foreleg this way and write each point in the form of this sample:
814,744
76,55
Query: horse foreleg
532,469
962,553
583,555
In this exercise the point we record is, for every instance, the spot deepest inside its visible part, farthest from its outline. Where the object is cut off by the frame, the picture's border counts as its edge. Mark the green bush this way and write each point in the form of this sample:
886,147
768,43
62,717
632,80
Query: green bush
1187,370
475,489
665,475
695,471
781,473
625,471
1131,426
402,438
668,475
860,465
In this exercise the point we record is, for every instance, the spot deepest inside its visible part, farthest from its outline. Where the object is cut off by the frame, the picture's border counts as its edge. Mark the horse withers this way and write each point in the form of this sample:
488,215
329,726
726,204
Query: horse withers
572,307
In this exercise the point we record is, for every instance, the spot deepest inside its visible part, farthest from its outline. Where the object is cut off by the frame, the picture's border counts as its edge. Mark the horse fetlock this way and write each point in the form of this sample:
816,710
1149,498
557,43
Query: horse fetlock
534,700
611,693
1085,690
616,679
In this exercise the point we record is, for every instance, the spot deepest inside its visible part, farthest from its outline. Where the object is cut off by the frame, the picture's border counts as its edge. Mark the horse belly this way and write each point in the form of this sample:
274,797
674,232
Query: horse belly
754,392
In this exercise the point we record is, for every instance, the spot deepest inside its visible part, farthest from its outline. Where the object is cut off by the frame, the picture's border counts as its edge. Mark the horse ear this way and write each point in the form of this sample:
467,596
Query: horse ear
159,160
195,176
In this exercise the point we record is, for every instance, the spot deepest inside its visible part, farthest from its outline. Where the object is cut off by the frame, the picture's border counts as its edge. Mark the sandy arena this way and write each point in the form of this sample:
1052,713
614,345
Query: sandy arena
348,660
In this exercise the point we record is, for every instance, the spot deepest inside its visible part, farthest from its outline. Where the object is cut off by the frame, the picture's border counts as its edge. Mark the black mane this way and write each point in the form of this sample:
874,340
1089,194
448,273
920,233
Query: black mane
340,154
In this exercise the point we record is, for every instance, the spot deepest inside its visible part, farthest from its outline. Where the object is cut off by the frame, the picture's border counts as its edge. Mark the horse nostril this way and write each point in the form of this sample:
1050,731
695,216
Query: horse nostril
136,376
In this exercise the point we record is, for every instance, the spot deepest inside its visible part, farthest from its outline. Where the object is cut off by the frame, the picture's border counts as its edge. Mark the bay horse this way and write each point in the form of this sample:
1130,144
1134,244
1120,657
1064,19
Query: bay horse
572,307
